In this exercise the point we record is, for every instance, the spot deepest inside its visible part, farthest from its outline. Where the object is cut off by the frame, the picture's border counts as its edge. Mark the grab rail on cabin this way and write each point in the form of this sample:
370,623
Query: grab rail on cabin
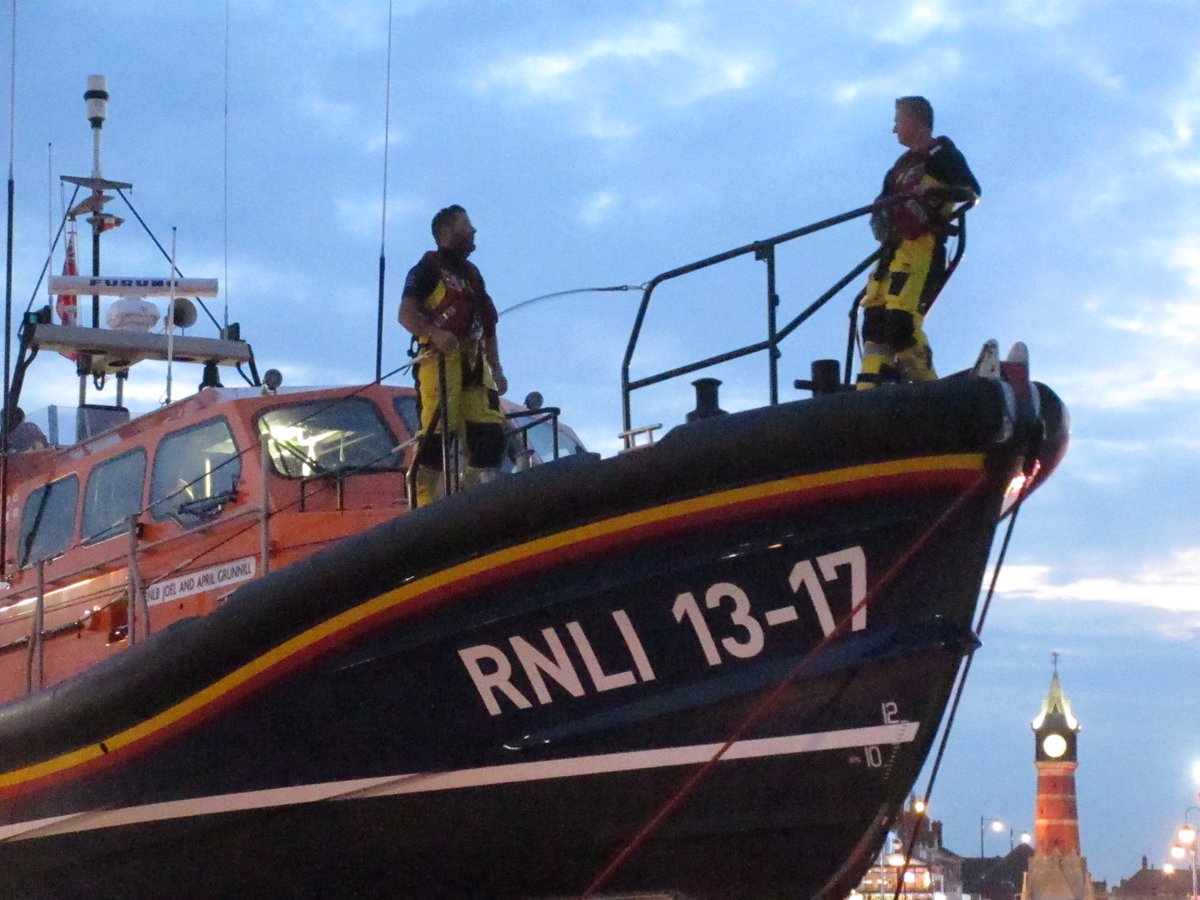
764,250
539,416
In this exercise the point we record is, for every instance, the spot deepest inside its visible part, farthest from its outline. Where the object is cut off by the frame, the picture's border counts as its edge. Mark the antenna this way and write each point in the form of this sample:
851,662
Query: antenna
8,274
387,113
96,96
171,315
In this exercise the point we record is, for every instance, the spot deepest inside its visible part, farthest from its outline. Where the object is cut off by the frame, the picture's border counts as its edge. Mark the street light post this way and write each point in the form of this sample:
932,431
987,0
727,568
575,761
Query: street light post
1187,841
997,826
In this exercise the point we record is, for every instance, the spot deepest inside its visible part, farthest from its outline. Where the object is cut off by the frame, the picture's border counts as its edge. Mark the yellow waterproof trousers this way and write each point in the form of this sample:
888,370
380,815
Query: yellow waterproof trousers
893,315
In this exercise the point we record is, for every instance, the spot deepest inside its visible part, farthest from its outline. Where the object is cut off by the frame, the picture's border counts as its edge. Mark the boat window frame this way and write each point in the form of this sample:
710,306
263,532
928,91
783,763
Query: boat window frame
114,529
214,503
64,542
408,409
320,405
541,437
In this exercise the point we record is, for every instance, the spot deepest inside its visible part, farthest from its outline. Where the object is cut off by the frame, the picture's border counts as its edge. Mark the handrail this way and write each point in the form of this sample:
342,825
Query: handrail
966,199
764,250
539,416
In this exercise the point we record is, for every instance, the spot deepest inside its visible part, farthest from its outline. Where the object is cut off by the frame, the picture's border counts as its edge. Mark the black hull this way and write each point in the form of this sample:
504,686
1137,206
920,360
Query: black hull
492,697
772,826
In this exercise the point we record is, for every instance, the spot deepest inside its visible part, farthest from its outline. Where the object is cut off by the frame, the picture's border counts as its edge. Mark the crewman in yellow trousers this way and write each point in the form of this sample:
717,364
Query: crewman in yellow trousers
447,309
929,177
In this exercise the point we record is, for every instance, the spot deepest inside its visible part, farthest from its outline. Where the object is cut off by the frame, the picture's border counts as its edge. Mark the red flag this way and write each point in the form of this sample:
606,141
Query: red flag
66,306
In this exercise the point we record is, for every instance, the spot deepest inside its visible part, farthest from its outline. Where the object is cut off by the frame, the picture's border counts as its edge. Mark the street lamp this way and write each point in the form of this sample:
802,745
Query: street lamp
1187,843
996,826
1025,838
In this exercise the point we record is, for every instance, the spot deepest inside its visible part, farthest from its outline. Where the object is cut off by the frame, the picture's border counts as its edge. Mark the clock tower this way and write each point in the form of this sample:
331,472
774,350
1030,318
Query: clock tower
1056,871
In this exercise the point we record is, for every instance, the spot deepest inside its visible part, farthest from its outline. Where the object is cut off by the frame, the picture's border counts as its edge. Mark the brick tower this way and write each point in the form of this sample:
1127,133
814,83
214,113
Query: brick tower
1057,870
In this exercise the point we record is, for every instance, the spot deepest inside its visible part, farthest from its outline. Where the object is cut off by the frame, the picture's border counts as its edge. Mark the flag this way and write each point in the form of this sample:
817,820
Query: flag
66,306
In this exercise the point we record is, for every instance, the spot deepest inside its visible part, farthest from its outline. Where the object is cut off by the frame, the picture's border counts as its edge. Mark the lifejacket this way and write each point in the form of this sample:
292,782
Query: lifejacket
913,216
459,303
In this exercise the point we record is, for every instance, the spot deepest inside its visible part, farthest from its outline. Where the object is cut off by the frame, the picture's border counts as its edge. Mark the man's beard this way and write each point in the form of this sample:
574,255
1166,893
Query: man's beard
461,247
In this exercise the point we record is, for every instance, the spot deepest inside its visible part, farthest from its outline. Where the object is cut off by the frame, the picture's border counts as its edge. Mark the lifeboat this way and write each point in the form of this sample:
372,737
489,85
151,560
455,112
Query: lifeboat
233,656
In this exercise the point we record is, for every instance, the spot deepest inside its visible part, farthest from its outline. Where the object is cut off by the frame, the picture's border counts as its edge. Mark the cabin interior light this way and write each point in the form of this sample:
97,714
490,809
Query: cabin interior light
297,437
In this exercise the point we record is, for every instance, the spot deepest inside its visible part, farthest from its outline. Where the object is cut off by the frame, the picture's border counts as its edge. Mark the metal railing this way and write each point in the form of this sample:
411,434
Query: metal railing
450,440
764,250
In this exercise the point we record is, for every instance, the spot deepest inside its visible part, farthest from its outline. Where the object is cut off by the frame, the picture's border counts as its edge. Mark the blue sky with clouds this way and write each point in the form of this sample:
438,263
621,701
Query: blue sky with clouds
598,144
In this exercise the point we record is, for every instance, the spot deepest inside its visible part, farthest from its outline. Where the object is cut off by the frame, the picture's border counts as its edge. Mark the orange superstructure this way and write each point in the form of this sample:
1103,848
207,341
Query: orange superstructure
210,510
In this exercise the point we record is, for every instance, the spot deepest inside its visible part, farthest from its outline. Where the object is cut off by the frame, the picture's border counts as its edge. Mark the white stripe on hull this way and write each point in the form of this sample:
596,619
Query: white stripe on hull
419,783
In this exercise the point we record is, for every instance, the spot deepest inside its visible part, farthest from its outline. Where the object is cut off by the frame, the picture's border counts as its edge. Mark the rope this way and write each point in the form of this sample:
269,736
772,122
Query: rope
167,256
962,678
771,700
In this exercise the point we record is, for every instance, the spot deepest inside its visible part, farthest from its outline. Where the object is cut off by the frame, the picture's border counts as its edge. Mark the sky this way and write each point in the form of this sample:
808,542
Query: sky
599,144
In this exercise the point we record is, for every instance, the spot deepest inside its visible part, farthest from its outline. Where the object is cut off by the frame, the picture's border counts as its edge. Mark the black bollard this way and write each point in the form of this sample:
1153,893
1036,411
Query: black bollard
826,378
706,399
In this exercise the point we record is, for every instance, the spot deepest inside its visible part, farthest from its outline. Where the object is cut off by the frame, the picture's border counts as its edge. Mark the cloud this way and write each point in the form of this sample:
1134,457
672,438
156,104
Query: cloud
328,112
1044,13
1171,313
598,207
1171,585
360,216
850,91
931,68
1121,387
920,19
659,59
365,22
1174,147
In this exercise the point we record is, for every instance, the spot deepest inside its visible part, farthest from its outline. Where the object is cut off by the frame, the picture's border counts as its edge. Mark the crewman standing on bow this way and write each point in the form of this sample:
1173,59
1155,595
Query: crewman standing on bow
447,309
930,176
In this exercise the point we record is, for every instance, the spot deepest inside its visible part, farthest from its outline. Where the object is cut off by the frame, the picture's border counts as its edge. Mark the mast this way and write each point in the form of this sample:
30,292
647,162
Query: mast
96,97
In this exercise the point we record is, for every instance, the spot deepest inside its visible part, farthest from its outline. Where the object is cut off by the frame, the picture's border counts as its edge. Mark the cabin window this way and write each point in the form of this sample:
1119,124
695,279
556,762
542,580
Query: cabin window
406,408
540,438
48,520
112,495
313,439
196,472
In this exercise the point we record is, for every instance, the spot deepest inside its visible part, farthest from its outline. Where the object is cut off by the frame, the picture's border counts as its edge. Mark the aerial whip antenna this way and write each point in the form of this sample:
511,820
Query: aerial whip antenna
387,111
225,176
591,290
171,315
8,275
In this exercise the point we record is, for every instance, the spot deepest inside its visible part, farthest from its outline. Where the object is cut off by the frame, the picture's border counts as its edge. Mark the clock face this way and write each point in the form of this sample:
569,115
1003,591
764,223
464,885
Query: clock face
1054,745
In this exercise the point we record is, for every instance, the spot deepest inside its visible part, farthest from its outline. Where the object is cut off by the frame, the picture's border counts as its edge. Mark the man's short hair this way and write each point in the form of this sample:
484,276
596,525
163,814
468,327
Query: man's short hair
917,107
445,217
